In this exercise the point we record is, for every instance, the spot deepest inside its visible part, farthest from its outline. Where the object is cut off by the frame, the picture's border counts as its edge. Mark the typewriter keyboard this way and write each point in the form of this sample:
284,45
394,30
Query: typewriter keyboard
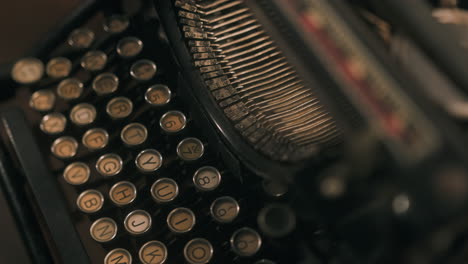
141,182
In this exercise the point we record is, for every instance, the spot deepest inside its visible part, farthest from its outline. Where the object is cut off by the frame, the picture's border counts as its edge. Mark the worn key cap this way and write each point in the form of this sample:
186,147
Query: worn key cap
129,47
64,147
190,149
143,70
76,173
95,138
245,242
81,38
158,95
105,83
181,220
116,24
59,67
173,122
206,178
134,134
103,230
164,190
27,70
42,100
53,123
137,222
153,252
109,165
119,107
90,201
83,114
274,188
276,220
70,89
94,60
148,160
118,256
198,251
224,209
123,193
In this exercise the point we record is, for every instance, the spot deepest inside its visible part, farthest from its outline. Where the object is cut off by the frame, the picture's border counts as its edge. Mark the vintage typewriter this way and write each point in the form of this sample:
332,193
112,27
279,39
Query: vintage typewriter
235,131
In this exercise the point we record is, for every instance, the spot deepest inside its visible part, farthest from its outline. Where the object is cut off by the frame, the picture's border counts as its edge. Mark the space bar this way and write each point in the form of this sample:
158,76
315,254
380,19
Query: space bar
48,198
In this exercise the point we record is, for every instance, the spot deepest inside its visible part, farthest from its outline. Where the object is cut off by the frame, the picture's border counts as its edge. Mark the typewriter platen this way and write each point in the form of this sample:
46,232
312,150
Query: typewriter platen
230,131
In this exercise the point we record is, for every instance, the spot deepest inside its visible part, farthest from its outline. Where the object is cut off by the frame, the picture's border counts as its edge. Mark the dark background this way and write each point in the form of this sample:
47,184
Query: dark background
23,23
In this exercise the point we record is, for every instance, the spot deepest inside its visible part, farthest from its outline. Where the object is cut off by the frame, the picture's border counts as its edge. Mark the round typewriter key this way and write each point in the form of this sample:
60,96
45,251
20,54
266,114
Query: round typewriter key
109,165
158,95
206,178
274,188
118,256
153,252
83,114
95,138
27,70
129,47
116,24
58,67
173,122
224,209
148,160
105,83
103,230
190,149
94,60
137,222
53,123
246,242
265,261
164,190
64,147
181,220
143,70
42,100
76,173
90,201
198,251
81,38
119,107
276,220
70,89
123,193
134,134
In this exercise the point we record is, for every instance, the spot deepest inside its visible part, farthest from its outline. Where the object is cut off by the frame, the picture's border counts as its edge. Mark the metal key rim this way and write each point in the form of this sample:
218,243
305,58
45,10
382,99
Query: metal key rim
62,139
155,87
228,198
218,177
176,210
138,211
176,113
102,219
158,200
98,193
53,115
245,229
94,130
145,151
160,244
122,250
78,163
199,240
116,185
113,155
